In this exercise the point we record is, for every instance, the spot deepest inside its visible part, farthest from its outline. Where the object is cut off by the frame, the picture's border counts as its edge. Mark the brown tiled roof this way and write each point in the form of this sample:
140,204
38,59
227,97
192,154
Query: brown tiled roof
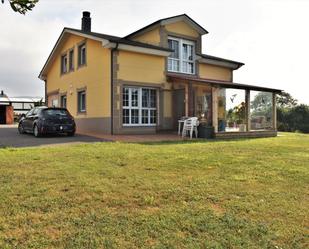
117,39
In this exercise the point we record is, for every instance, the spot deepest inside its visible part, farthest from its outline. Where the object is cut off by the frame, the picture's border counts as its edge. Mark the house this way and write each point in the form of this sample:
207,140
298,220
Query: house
145,82
15,106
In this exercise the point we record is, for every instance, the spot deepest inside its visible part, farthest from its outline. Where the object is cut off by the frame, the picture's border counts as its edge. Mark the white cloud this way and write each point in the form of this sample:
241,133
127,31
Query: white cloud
270,36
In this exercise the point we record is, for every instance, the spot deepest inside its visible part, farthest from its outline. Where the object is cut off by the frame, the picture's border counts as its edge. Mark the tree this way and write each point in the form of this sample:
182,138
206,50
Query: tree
22,6
261,102
285,100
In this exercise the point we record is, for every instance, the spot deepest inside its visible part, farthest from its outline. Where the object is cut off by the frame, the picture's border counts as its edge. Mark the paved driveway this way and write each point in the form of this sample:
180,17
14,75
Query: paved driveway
9,137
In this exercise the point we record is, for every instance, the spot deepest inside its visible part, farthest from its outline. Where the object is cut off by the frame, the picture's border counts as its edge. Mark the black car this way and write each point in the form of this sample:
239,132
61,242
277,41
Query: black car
44,120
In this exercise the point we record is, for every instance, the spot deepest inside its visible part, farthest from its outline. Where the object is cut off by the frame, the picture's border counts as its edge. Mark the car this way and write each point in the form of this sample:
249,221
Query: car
47,120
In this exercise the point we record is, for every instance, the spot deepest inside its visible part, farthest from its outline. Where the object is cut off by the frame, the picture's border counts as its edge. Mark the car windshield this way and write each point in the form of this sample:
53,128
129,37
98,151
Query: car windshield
56,112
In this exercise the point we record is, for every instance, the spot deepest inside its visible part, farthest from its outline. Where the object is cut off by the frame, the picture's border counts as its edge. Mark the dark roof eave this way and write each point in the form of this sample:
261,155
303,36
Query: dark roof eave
225,84
211,57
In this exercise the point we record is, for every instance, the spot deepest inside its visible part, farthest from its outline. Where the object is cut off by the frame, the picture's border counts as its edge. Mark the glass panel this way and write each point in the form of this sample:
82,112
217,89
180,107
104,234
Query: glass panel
153,98
55,103
134,97
71,60
126,116
190,54
174,45
203,105
83,106
29,105
153,116
185,51
145,98
185,67
83,60
176,66
231,110
17,105
125,97
63,101
64,64
190,67
145,116
134,116
81,101
261,110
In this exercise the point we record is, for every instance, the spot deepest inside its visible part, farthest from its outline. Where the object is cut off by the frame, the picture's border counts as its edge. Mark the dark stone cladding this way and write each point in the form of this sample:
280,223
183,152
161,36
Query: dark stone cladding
93,125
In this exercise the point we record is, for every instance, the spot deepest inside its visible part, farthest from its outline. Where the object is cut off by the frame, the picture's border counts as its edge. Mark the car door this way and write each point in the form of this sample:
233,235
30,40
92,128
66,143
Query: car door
32,118
27,121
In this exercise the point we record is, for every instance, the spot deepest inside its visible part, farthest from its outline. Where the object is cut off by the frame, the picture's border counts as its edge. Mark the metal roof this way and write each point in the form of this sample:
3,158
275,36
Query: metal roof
20,99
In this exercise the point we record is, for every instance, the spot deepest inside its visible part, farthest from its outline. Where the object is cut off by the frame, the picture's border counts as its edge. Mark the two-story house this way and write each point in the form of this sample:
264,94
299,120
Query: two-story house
144,82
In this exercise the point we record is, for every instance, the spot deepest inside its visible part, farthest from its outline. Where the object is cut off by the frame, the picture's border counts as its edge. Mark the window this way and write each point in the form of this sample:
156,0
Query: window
81,101
63,101
64,64
82,54
35,111
71,60
28,106
55,103
55,112
139,106
182,59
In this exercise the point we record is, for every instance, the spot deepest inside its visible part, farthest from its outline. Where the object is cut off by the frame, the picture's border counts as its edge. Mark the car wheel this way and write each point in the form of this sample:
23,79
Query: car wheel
71,134
21,129
36,131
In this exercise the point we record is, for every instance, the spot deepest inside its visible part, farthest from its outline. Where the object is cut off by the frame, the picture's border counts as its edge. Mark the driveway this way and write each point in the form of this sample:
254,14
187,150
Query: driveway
9,137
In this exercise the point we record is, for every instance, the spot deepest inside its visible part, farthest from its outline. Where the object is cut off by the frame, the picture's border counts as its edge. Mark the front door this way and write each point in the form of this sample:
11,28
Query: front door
178,105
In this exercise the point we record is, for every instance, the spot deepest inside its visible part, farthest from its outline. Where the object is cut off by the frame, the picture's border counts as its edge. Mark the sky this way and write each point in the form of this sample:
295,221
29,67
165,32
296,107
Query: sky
270,36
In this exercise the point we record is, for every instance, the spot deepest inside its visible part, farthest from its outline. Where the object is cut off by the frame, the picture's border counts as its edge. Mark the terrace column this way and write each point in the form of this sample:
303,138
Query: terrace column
215,91
248,123
274,111
186,100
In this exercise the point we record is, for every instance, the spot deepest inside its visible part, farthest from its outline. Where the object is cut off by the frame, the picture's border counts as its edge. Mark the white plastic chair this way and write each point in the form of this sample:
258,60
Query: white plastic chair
190,125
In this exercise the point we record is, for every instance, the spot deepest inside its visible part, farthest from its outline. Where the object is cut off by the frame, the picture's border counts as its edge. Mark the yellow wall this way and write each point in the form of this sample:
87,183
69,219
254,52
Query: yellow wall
95,76
141,67
215,72
181,28
167,100
151,37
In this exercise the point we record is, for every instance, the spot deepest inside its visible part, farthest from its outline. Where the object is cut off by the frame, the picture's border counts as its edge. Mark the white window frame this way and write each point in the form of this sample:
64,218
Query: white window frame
139,107
181,60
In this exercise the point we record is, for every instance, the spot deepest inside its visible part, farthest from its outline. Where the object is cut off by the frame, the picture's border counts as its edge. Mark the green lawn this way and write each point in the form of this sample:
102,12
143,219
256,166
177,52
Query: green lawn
222,194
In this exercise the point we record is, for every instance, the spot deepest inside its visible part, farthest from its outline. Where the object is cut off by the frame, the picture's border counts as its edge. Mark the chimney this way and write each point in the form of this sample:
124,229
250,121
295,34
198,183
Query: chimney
86,21
2,93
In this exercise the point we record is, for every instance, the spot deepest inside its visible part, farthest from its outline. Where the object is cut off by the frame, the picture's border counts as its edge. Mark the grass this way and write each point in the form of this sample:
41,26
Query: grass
223,194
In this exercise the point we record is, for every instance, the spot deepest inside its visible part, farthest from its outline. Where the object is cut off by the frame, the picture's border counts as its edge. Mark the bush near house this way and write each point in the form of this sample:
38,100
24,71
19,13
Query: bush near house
222,194
294,119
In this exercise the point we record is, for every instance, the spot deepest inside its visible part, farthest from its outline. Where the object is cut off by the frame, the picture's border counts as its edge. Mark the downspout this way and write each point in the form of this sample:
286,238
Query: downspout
112,87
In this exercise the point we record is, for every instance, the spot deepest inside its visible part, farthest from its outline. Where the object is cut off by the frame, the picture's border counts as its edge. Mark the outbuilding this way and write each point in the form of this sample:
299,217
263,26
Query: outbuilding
14,106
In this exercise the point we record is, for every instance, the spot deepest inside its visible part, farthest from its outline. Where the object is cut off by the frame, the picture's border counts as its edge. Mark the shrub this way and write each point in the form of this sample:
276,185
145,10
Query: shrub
294,119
